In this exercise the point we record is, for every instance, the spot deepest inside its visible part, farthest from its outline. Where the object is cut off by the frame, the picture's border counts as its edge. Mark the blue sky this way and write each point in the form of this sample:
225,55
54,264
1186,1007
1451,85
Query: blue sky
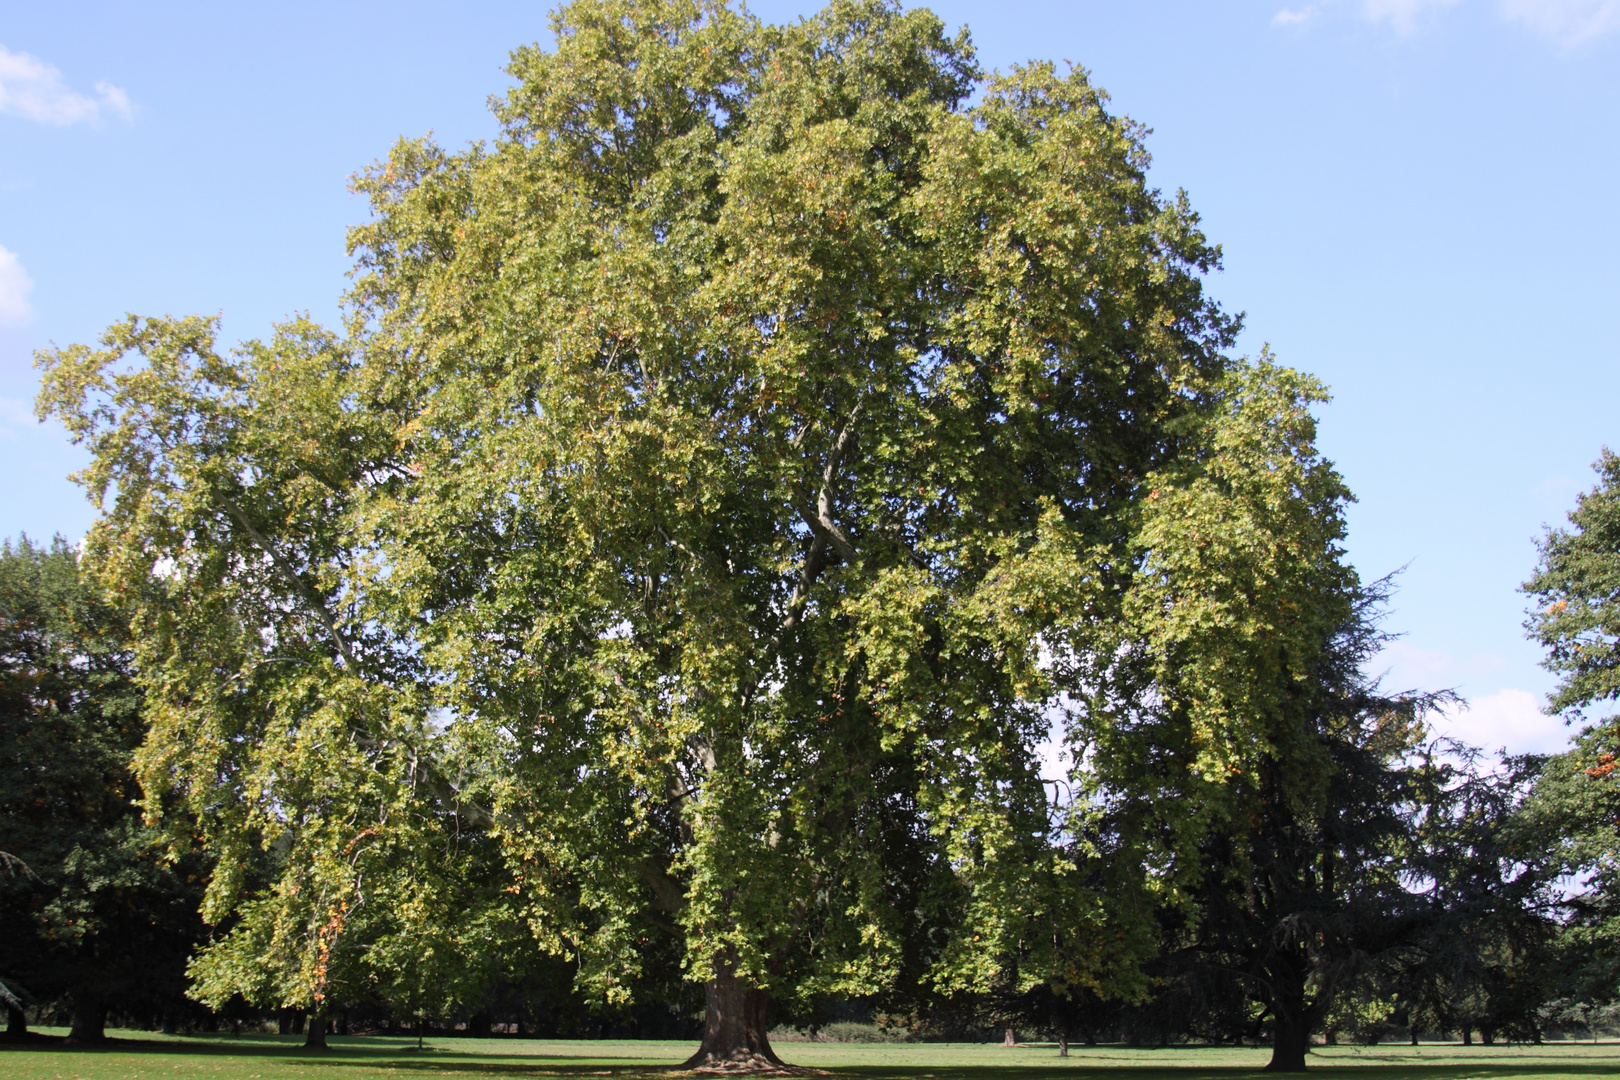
1416,199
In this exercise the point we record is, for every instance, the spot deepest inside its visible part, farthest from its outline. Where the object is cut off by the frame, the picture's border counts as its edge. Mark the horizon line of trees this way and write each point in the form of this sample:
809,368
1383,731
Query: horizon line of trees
662,587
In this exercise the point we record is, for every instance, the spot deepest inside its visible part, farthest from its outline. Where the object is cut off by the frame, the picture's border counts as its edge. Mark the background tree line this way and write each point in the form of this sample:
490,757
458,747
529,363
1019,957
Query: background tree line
656,599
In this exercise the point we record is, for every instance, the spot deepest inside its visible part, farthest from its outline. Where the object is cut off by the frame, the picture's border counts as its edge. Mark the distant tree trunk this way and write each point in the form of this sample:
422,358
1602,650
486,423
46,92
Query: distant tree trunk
1063,1044
342,1025
1088,1036
16,1022
735,1035
284,1022
1468,1036
315,1033
478,1025
1010,1039
89,1020
171,1026
1414,1036
1487,1035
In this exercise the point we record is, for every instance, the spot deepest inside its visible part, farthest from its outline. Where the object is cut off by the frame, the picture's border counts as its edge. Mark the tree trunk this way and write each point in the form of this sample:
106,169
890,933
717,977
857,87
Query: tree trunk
89,1020
1289,1042
315,1033
734,1029
1468,1036
16,1022
1414,1037
1063,1044
1010,1039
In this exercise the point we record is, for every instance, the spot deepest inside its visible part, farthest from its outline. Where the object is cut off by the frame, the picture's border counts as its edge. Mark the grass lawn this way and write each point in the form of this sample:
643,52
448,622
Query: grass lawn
145,1056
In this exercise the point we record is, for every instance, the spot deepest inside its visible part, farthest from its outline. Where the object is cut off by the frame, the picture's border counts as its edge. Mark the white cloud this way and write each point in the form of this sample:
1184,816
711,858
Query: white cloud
1569,22
15,285
1510,718
1290,17
1405,666
34,90
1403,15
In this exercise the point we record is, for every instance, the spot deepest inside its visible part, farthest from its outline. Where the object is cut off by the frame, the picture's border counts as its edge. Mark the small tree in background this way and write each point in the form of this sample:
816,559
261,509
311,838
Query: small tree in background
100,913
1574,812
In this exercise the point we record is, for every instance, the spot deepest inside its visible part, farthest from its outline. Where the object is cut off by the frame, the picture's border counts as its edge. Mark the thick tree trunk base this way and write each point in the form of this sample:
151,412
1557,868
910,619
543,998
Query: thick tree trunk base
315,1033
735,1038
89,1024
1289,1045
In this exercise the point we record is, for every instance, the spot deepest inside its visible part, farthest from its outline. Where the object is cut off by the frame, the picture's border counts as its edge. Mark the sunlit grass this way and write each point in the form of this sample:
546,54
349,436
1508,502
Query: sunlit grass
147,1056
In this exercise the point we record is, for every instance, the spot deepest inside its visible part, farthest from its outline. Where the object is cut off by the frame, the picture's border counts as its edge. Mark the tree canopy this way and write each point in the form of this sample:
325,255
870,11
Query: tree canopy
725,484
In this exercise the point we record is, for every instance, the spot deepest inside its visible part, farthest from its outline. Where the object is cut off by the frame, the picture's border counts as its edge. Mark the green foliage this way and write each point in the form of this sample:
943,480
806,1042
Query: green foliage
772,407
283,731
1485,957
97,912
1575,809
725,479
1577,587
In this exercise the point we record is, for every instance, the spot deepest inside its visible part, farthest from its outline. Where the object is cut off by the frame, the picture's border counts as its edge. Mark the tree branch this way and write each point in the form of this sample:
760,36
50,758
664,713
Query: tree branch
309,595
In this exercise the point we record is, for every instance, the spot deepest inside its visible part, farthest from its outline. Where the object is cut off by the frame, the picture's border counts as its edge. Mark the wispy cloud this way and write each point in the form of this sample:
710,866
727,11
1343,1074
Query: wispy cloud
34,90
1403,15
1406,666
15,285
1290,17
1508,718
1568,22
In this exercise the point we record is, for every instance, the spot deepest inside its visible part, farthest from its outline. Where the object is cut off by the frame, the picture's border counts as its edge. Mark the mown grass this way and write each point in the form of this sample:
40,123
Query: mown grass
143,1056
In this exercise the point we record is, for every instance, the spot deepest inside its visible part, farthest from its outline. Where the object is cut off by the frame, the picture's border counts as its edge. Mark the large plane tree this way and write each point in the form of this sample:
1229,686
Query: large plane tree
770,402
727,480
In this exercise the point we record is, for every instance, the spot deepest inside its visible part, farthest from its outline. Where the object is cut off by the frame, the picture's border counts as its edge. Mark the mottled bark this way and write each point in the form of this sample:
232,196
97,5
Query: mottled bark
735,1038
